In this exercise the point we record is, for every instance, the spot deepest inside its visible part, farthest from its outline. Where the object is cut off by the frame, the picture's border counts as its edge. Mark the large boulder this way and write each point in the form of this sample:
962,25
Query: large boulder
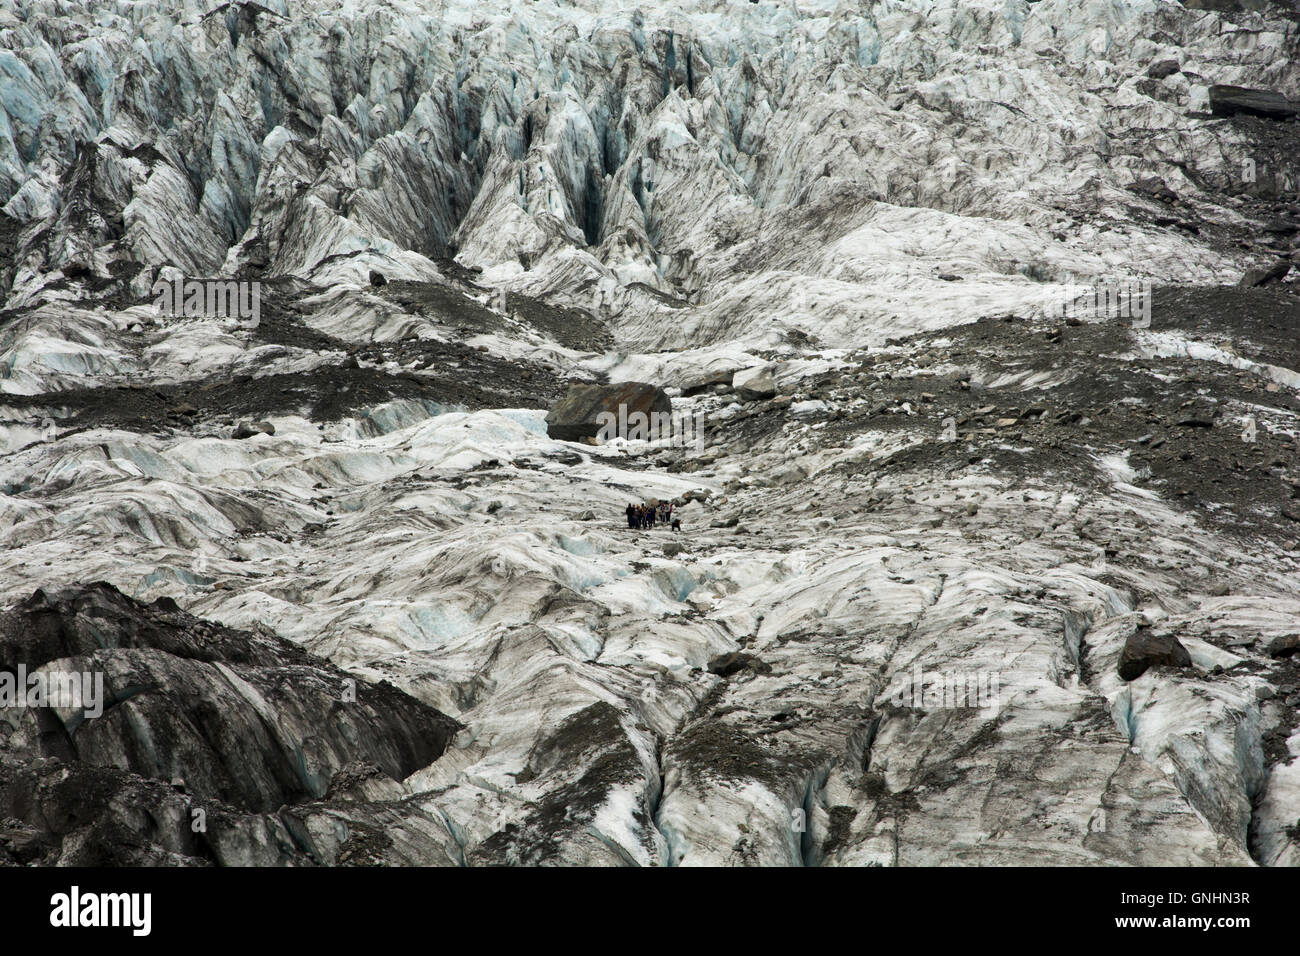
1284,645
1144,648
1234,100
578,413
705,381
1266,274
755,384
1163,68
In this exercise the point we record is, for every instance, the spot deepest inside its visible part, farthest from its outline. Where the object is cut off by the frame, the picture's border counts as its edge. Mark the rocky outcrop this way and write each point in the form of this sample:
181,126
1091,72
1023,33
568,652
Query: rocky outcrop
1284,645
191,715
1154,187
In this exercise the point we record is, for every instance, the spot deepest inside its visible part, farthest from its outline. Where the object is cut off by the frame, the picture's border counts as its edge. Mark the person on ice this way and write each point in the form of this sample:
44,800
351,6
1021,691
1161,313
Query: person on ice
631,515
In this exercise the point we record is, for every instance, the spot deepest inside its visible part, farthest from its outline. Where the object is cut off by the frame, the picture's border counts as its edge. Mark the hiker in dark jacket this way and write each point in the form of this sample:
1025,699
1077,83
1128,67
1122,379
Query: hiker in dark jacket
631,516
650,516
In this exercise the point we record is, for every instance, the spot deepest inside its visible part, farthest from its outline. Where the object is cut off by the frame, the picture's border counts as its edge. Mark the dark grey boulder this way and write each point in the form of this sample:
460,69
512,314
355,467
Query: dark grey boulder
1281,227
1145,649
245,430
1266,274
1163,68
705,381
728,665
1284,646
1241,100
755,384
577,414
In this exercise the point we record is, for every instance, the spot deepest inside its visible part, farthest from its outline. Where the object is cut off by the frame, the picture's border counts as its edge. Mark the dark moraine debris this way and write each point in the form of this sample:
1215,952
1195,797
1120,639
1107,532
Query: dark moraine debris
576,415
1145,649
1153,187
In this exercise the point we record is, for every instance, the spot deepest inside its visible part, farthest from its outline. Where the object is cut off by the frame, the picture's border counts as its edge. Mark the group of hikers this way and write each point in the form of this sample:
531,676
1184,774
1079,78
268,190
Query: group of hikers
646,516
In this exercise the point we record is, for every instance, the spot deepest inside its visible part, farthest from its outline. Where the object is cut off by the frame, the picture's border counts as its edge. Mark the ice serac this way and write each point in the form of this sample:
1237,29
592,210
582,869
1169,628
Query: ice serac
966,573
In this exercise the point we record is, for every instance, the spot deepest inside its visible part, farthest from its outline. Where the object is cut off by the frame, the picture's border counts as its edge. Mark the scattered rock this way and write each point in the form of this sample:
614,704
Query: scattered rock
809,409
1281,227
1199,415
705,381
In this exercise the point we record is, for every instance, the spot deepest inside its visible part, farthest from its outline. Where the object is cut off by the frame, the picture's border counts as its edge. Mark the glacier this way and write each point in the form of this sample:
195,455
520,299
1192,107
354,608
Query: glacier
454,211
